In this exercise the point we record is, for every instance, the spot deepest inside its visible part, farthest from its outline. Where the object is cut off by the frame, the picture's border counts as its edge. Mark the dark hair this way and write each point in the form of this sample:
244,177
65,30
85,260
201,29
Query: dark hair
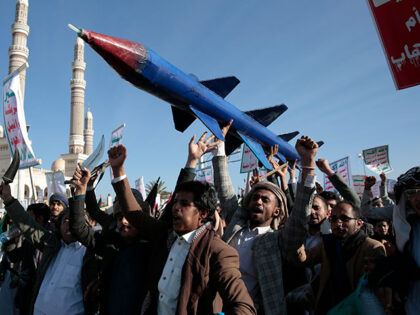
356,211
205,196
40,210
330,195
59,219
324,202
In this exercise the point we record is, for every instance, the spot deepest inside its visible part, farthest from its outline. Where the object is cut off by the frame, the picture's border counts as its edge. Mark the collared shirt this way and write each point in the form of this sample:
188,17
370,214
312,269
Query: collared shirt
243,242
61,289
170,280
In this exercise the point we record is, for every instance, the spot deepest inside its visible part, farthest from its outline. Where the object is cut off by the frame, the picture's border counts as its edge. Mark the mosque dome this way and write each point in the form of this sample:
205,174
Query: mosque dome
58,165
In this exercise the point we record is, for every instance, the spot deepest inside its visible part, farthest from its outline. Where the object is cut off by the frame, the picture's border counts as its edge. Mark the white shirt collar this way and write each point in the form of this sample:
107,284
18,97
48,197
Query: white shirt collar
188,237
260,229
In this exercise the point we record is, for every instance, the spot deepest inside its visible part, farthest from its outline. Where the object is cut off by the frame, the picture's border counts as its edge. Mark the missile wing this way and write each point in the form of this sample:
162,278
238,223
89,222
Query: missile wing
191,98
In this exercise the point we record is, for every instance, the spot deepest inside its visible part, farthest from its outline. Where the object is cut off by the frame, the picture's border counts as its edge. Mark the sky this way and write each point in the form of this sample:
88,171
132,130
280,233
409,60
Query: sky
323,59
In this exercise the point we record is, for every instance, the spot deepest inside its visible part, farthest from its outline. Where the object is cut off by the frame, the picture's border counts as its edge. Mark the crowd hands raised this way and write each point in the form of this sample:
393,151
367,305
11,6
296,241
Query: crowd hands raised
286,246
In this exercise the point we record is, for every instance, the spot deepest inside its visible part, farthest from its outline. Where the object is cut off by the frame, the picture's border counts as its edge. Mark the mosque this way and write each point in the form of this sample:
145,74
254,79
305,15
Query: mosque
81,126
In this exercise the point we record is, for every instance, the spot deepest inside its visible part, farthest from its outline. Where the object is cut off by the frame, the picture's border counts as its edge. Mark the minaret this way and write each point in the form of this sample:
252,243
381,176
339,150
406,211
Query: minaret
18,52
88,133
77,109
77,85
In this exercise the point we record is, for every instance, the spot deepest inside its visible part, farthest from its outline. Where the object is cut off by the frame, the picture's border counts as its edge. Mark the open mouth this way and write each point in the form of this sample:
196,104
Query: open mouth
257,210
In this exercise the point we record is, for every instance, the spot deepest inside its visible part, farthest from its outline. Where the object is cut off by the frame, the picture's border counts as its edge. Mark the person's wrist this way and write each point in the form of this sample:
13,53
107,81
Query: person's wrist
191,163
308,162
118,171
329,172
80,191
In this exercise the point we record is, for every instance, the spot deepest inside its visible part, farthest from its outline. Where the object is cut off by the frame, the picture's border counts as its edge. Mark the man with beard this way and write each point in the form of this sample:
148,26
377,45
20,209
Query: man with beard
343,256
251,229
192,271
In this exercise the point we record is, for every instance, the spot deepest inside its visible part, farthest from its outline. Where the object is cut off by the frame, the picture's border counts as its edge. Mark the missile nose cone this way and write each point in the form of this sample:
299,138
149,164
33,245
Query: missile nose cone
123,55
74,28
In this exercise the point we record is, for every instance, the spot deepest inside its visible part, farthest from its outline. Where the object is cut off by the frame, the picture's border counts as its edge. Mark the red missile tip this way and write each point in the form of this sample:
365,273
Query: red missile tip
118,53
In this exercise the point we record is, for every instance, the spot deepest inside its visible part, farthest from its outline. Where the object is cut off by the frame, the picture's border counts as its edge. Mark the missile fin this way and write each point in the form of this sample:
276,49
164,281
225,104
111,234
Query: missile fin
289,136
265,116
232,142
182,119
221,86
257,149
210,123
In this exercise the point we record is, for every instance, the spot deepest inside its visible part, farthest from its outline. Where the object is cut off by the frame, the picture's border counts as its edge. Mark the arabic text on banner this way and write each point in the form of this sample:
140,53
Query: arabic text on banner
377,159
15,122
249,160
359,185
116,139
341,167
116,136
204,175
398,25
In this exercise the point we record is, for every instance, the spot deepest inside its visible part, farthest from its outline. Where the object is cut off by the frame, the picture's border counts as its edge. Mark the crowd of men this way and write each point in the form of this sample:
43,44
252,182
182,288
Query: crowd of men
285,247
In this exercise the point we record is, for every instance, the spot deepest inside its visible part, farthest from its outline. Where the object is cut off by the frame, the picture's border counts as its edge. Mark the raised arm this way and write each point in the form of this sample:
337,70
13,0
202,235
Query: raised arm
294,233
195,152
92,207
32,231
384,191
78,225
149,228
339,183
222,182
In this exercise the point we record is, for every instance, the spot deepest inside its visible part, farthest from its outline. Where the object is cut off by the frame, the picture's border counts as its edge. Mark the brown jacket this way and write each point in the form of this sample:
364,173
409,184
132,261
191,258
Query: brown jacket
210,280
370,248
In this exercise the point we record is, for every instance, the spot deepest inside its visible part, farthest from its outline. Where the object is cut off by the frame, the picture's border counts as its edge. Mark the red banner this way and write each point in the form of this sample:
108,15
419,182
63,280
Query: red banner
398,24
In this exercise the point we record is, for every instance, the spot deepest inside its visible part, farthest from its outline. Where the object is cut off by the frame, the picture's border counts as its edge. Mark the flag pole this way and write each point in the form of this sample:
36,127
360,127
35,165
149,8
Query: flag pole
32,184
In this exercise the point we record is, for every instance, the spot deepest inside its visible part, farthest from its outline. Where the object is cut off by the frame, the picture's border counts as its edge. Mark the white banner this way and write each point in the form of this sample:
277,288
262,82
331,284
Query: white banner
359,184
55,183
341,167
377,159
116,139
205,175
249,160
15,122
116,136
140,187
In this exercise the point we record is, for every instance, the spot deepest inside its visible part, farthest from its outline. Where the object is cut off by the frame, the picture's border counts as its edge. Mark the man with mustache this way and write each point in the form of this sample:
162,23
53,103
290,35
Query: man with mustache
192,270
342,255
252,228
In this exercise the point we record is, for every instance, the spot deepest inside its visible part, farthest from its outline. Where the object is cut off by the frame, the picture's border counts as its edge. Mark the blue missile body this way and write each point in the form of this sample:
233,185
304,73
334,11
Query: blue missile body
191,98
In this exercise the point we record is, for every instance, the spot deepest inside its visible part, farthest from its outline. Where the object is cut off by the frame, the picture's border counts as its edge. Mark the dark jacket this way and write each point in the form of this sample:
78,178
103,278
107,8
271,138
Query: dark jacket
49,244
106,245
210,269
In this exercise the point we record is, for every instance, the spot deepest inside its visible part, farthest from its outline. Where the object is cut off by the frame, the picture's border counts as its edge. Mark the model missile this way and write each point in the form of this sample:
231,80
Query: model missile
191,98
